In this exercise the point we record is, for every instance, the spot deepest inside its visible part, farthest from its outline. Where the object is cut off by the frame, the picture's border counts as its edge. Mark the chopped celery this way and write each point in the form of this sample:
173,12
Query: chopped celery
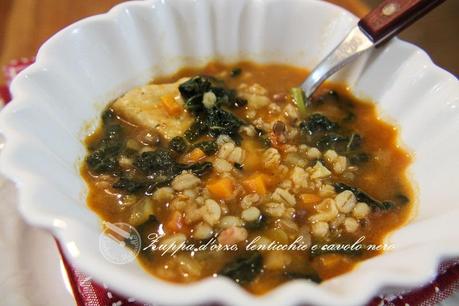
300,100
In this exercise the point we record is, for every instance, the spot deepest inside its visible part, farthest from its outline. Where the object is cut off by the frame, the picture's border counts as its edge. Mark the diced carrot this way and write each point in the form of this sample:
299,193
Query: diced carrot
310,198
170,105
256,183
195,155
222,188
175,222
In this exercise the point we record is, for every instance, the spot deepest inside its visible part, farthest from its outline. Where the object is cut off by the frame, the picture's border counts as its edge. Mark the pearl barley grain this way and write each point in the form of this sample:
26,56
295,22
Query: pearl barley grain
250,214
351,225
320,229
361,210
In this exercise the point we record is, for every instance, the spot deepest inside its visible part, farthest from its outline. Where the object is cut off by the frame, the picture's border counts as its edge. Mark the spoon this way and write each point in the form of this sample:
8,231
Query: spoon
381,24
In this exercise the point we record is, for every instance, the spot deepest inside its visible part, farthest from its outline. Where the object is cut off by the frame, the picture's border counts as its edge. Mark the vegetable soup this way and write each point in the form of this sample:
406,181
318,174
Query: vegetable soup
233,159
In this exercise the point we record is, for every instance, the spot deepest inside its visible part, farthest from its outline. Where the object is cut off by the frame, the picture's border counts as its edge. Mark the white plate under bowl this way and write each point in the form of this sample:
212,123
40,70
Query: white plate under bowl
88,64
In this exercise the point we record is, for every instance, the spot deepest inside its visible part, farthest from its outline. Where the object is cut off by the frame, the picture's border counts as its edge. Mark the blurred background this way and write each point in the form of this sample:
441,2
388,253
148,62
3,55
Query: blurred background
26,24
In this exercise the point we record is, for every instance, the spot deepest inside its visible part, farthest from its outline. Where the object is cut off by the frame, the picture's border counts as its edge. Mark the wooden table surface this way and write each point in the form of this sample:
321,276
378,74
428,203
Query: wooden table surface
26,24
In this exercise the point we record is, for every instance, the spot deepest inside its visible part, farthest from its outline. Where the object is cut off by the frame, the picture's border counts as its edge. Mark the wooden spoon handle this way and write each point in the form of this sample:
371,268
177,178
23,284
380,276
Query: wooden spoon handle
392,16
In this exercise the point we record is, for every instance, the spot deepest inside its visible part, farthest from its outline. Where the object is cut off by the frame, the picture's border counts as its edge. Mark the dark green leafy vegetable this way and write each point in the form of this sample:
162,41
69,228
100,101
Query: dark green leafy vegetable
158,182
364,197
194,89
160,168
217,122
150,226
129,185
151,221
359,158
317,122
194,104
108,116
195,86
212,121
200,169
333,141
196,130
257,224
113,132
355,141
263,138
350,117
228,97
102,161
235,72
103,158
401,199
330,95
221,122
238,166
325,134
243,270
178,144
209,147
159,162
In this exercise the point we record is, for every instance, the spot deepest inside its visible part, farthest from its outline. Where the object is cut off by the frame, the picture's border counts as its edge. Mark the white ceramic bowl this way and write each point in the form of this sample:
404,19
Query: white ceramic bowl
88,64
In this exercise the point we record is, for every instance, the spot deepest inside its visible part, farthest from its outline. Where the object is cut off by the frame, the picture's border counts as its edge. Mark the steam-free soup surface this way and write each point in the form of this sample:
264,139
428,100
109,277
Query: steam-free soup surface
227,158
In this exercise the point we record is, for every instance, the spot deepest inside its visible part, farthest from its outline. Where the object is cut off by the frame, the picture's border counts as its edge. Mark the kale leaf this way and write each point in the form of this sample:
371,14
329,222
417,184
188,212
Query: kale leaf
257,224
364,197
196,130
159,162
345,145
161,168
235,72
195,86
332,141
102,161
325,134
317,122
200,169
221,122
228,97
129,185
359,158
209,147
401,199
215,120
178,144
103,158
243,270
